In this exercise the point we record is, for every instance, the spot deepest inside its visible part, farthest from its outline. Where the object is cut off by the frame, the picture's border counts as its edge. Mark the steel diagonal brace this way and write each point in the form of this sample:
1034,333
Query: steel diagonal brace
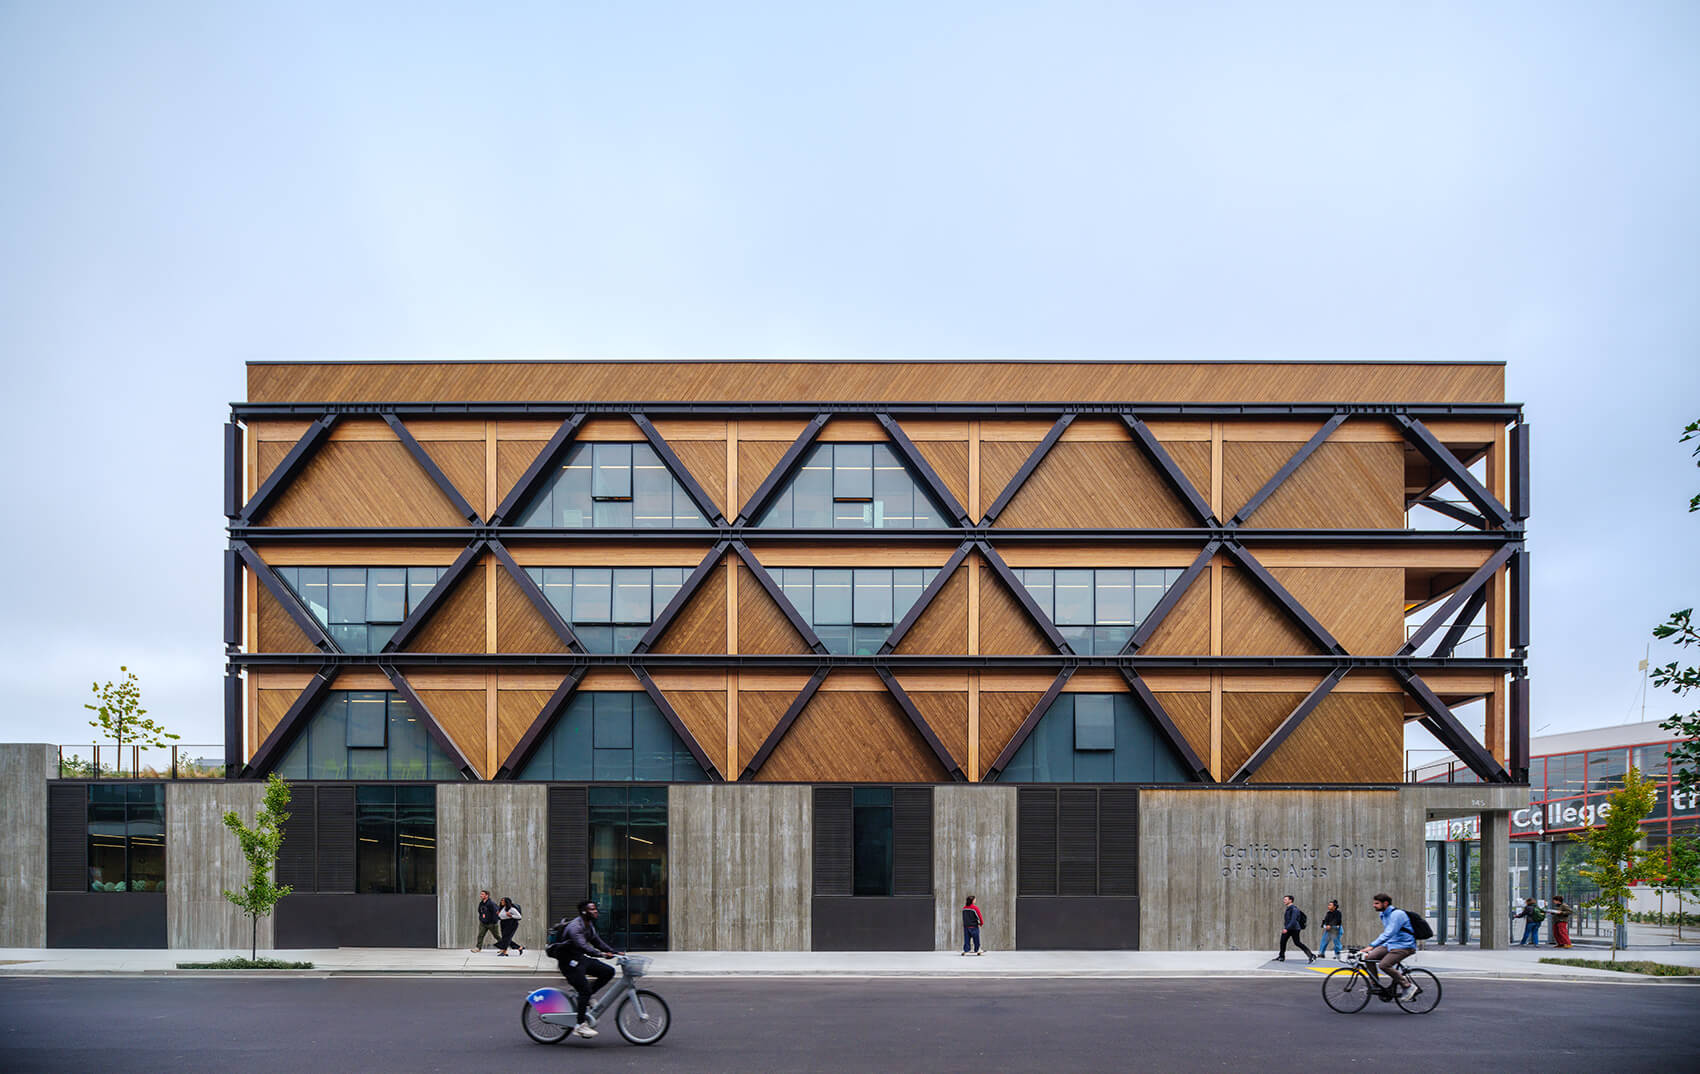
795,709
711,769
540,725
1166,726
776,478
432,470
1445,726
427,607
1287,468
1459,598
432,727
1440,456
777,595
1013,584
541,465
537,598
681,473
686,591
287,598
1022,733
287,470
919,608
1171,599
1286,600
918,465
300,711
1289,725
1027,468
914,716
1172,473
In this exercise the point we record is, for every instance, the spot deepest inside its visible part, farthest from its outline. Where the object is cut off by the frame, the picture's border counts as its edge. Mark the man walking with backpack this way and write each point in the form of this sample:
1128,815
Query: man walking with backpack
1293,920
1532,916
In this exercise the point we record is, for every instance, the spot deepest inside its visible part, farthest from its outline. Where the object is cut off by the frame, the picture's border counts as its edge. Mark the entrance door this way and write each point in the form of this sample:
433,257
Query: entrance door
628,865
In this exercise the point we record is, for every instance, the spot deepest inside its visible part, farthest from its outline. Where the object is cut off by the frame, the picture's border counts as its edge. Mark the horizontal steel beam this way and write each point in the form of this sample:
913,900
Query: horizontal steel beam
496,409
900,661
758,535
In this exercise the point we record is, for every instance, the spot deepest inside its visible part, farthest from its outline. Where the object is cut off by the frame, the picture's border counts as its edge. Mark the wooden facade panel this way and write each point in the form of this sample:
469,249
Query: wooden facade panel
949,459
1247,722
762,626
598,554
943,627
1186,630
458,623
362,483
1004,624
1001,715
703,712
270,709
1362,607
516,710
1085,485
758,714
852,429
463,463
277,631
1193,457
359,554
947,714
520,627
756,459
847,736
1341,485
1191,713
1254,625
267,454
513,458
706,461
464,715
700,627
998,462
1348,738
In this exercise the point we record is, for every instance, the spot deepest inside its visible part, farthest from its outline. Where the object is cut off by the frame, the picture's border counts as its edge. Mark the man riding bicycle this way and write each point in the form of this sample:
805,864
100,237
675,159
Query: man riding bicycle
1395,944
573,955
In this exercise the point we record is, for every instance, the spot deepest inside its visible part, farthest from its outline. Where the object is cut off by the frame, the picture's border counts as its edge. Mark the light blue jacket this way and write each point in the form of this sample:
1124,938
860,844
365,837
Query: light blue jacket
1395,930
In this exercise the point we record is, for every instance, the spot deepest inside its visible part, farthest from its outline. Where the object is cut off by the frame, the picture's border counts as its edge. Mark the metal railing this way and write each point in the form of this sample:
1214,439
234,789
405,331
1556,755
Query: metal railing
97,761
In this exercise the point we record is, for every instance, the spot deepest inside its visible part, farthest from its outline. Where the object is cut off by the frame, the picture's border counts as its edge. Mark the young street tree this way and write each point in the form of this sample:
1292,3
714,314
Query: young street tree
1679,629
1613,860
1674,869
121,716
260,845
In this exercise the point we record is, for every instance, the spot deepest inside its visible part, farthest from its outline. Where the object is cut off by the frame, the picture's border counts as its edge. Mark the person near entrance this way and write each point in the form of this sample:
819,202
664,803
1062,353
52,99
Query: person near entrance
573,954
1395,944
1332,927
1532,916
1560,921
488,922
1292,922
509,915
972,919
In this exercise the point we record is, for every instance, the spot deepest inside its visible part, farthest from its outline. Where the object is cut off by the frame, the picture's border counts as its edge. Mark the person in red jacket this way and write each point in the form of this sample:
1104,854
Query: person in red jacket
971,922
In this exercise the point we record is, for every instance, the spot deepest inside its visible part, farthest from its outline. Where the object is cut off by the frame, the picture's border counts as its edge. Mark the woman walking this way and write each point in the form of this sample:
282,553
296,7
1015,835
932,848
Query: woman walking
509,916
1331,929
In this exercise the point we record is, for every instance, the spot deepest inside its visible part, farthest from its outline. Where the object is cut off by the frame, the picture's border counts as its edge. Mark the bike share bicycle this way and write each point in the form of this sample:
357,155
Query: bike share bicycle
1349,988
640,1015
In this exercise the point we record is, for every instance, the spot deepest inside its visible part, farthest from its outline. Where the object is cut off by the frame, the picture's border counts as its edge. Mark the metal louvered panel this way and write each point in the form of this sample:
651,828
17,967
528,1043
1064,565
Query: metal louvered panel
568,851
334,835
67,836
1077,841
912,840
297,856
1036,841
1118,841
834,839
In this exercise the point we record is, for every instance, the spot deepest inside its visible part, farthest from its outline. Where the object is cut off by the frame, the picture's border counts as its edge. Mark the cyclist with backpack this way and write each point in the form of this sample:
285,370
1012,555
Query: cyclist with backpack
571,943
1532,916
1396,943
1293,920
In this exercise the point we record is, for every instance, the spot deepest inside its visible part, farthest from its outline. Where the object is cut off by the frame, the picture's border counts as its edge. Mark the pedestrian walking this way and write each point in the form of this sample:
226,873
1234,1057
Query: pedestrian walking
1560,913
487,922
1532,916
508,914
1331,930
1292,923
972,919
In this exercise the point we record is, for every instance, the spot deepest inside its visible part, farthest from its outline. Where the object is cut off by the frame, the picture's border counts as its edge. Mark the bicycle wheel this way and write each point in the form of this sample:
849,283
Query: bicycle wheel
1346,990
1428,992
537,1029
647,1027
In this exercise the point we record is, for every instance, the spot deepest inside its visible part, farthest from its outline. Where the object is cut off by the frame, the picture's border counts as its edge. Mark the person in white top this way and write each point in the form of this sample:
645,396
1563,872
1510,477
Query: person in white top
508,914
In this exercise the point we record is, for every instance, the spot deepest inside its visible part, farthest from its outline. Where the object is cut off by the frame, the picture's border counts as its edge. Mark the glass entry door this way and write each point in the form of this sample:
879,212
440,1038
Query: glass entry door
628,865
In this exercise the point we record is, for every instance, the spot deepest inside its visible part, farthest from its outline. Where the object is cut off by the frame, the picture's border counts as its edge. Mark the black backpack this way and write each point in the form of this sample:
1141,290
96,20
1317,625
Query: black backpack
1303,920
1420,928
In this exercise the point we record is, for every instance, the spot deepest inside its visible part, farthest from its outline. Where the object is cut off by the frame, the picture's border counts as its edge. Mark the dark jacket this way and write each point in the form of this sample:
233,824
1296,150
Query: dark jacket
487,912
971,918
1290,920
1331,919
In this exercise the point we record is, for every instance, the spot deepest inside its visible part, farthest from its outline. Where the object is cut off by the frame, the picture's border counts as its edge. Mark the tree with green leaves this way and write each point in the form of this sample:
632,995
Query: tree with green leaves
1614,860
1679,629
1674,869
260,845
120,715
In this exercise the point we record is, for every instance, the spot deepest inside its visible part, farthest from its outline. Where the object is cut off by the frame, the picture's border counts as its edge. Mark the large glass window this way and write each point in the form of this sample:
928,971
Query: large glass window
396,840
873,844
853,486
126,826
628,865
618,485
609,608
366,734
612,736
853,609
1094,738
1097,611
360,607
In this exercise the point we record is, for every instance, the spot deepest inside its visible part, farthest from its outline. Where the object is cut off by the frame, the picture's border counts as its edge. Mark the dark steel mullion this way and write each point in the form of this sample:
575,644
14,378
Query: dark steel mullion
540,725
288,469
711,769
1519,712
1275,589
681,473
795,709
1289,725
1455,633
1033,460
232,724
1440,455
686,591
285,596
1519,602
232,599
543,463
1459,596
781,473
907,704
432,470
1519,467
427,605
1166,465
271,750
1013,584
1172,598
928,595
1166,726
232,470
777,595
432,727
1453,511
918,464
539,600
1287,468
1445,726
1022,733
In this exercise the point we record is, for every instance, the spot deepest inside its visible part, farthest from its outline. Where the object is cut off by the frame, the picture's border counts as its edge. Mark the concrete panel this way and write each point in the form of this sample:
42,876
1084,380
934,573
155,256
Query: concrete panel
25,768
495,836
974,854
202,859
739,867
1496,882
1214,862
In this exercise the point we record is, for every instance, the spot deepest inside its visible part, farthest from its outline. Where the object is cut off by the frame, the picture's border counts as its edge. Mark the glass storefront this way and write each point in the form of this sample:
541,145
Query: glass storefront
628,865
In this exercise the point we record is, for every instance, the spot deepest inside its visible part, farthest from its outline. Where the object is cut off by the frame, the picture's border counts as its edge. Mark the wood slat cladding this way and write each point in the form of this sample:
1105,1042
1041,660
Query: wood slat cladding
703,712
462,713
271,705
297,857
706,461
943,627
277,631
946,712
1191,713
1186,631
519,626
756,459
268,453
754,381
758,714
513,459
67,836
700,627
912,840
855,737
1359,606
458,623
949,459
362,483
1253,624
1000,717
1249,719
1348,738
1341,485
568,852
999,460
762,626
1082,485
834,842
1193,457
515,711
1004,624
334,835
462,462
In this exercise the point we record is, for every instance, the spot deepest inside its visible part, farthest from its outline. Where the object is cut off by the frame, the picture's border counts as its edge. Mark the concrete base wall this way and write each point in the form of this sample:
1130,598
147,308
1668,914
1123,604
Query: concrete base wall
740,867
25,768
202,859
974,854
494,836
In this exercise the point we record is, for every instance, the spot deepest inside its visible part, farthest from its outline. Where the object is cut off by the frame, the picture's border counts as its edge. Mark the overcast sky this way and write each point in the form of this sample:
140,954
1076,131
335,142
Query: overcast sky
187,187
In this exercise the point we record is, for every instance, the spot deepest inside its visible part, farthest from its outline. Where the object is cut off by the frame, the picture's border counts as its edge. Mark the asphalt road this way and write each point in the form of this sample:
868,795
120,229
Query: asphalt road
1268,1025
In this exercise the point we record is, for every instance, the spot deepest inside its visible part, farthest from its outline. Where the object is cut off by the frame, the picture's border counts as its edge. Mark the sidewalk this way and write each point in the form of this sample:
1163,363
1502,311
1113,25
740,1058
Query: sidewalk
1521,963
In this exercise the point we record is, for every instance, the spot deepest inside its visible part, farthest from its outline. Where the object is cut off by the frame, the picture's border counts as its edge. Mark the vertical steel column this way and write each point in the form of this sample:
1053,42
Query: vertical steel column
232,469
232,600
1519,471
1520,727
232,724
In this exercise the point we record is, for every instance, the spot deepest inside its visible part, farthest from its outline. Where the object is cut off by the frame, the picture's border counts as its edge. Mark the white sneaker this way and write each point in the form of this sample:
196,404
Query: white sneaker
584,1030
1409,992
